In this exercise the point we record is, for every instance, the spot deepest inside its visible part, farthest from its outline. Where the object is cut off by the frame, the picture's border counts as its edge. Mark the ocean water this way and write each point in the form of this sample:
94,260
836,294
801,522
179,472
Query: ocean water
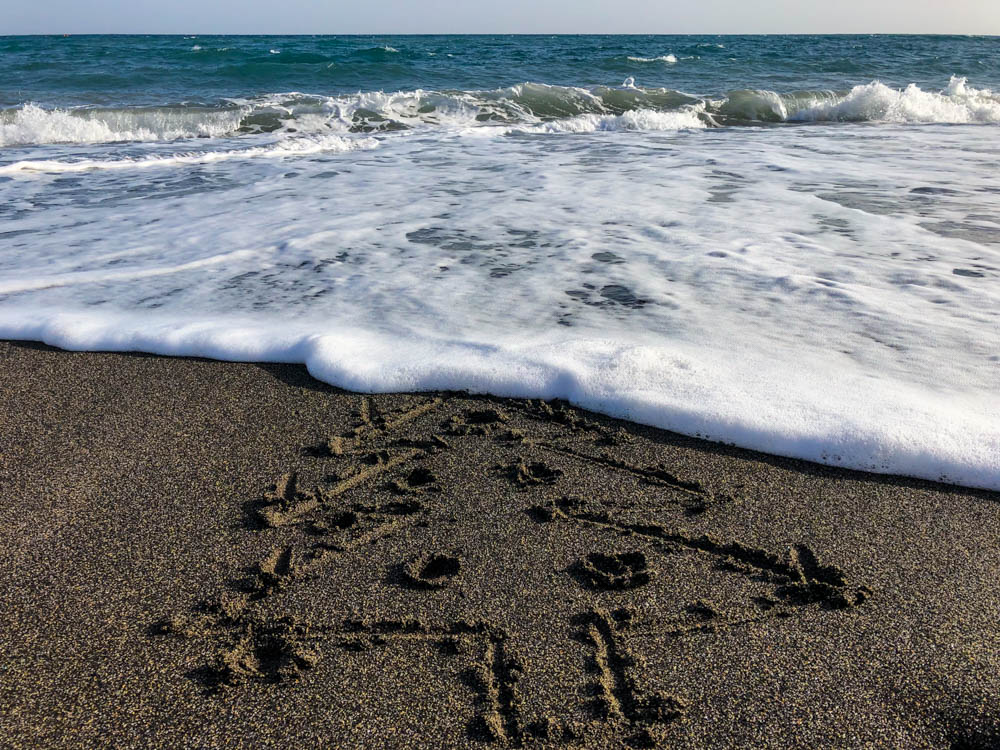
791,244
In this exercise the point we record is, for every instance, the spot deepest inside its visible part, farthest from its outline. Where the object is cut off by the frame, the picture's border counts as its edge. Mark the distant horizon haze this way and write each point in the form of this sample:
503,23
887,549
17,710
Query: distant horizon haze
401,17
397,34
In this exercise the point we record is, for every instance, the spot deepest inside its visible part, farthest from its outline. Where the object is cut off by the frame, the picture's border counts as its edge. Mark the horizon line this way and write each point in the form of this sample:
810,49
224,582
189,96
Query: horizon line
63,34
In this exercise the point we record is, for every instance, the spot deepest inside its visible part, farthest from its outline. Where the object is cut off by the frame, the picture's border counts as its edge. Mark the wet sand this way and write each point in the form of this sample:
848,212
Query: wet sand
205,554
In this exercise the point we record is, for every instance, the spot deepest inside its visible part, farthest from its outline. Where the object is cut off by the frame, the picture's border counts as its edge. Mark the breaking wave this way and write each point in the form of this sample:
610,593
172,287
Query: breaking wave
538,106
640,119
873,102
30,124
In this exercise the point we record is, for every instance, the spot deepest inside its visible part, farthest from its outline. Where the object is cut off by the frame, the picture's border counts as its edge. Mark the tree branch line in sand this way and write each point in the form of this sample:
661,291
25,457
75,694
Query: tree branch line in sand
348,511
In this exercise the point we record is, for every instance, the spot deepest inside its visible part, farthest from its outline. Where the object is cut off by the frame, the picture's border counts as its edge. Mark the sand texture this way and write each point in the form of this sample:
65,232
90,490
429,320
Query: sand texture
205,554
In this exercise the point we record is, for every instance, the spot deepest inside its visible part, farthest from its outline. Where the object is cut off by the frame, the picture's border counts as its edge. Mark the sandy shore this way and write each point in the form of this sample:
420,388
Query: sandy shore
204,554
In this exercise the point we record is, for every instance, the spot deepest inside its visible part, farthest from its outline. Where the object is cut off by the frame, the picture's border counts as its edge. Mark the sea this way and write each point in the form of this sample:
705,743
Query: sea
784,243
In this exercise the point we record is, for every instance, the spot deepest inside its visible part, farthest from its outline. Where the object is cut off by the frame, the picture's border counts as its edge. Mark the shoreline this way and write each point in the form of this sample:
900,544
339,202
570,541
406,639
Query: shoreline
467,571
945,439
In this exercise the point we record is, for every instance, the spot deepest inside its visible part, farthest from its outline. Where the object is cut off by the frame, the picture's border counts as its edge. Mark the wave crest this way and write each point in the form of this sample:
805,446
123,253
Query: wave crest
640,119
671,58
550,108
958,103
30,124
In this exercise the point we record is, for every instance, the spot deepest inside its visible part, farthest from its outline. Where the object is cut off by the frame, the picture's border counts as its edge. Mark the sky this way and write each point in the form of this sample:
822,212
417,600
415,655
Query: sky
499,16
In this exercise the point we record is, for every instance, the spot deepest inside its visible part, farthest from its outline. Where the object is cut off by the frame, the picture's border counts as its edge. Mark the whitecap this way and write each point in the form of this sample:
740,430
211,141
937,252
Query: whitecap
958,103
31,124
671,58
639,119
875,102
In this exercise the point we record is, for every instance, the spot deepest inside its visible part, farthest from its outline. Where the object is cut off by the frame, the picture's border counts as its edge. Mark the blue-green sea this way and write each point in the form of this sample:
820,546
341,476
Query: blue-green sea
163,70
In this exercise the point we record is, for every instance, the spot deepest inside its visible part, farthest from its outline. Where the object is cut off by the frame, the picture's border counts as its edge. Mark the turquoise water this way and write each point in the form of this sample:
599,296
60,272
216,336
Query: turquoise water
787,243
114,71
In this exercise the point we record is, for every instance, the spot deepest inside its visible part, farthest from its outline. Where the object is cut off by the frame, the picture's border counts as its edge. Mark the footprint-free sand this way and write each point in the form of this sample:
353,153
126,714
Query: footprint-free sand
208,554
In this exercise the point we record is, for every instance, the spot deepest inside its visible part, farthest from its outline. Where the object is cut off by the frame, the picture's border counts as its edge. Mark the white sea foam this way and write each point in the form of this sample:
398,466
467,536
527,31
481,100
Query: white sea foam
297,146
671,58
640,119
801,291
958,103
50,281
31,124
858,423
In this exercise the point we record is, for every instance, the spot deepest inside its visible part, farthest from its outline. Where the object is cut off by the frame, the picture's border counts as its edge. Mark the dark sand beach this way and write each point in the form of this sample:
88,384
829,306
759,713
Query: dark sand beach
207,554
